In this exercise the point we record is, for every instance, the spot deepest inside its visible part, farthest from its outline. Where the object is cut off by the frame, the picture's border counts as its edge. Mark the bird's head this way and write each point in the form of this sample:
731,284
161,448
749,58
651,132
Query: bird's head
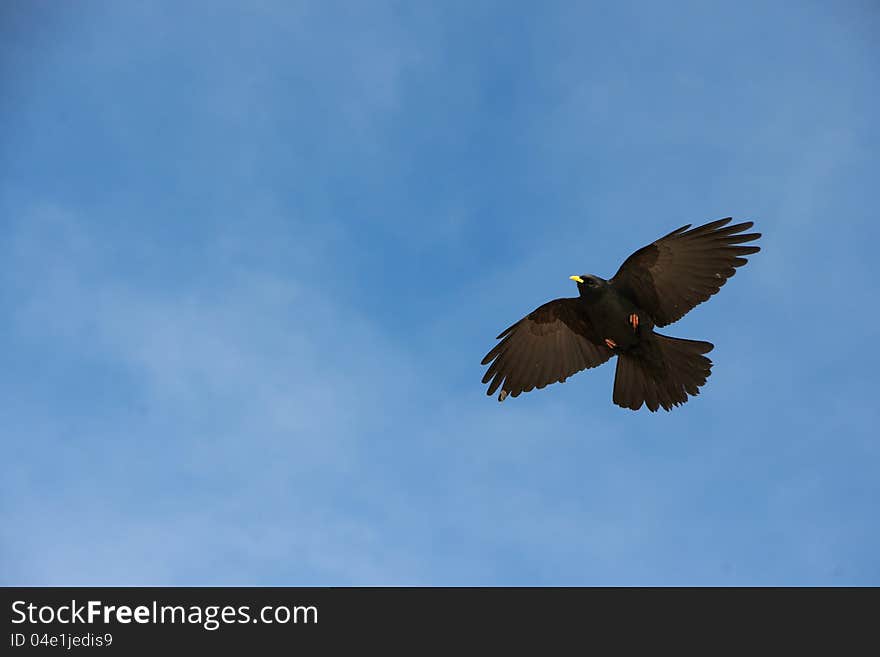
589,285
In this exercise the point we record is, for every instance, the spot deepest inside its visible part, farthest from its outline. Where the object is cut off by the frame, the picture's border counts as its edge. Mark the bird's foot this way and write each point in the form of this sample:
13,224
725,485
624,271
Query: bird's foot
634,321
611,343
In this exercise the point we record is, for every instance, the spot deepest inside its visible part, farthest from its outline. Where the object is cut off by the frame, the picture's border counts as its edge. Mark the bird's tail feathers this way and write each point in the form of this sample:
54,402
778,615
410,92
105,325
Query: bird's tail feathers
663,373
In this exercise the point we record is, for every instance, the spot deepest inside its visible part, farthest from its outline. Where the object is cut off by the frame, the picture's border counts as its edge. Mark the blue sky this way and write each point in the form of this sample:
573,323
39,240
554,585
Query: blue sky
254,252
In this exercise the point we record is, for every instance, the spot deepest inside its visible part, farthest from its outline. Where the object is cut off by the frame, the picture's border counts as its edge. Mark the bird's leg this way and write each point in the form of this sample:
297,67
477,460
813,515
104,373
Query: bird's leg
634,321
611,343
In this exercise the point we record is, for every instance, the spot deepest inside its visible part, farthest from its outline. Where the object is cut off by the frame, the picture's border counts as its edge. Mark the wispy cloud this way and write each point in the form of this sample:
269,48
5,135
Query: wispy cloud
230,408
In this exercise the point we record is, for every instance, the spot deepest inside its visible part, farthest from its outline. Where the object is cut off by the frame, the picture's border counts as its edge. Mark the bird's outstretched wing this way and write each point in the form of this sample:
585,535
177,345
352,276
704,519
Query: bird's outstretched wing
672,275
546,346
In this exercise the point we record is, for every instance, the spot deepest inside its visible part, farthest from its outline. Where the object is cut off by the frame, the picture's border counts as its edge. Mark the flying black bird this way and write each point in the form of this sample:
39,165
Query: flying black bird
655,286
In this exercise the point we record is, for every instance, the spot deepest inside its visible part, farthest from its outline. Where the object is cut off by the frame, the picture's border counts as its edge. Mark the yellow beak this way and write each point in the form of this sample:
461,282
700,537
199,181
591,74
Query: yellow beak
577,279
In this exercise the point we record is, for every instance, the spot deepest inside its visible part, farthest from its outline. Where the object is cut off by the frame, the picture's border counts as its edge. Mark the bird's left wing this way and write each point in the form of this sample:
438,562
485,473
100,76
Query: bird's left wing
684,268
546,346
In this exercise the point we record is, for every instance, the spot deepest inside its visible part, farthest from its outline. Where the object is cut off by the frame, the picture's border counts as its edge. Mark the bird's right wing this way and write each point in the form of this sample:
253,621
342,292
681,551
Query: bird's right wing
547,346
684,268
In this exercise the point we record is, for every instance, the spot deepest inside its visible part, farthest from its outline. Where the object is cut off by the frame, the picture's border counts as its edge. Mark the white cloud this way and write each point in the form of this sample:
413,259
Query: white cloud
268,390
